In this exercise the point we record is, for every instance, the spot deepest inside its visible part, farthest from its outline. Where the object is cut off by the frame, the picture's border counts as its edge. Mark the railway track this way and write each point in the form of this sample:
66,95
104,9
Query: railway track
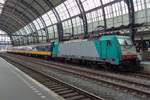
132,86
67,91
141,75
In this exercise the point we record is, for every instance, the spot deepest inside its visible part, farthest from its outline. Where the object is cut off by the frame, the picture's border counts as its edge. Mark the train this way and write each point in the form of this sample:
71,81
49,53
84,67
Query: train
114,51
41,50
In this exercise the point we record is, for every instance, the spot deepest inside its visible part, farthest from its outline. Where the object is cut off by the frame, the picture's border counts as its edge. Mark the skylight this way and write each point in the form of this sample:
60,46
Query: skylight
2,32
2,5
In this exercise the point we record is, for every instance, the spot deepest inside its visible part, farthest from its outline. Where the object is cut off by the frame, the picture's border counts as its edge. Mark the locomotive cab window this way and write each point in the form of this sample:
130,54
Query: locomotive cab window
125,41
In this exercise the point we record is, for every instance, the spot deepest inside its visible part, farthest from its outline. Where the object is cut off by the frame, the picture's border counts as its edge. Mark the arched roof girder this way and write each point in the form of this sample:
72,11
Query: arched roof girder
4,28
59,24
11,27
27,8
83,16
28,11
11,24
104,15
36,12
41,18
23,5
17,19
37,8
18,13
131,16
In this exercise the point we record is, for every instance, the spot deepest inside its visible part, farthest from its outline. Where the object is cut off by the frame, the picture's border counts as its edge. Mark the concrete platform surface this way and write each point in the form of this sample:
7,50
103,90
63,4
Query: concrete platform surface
145,62
16,85
146,65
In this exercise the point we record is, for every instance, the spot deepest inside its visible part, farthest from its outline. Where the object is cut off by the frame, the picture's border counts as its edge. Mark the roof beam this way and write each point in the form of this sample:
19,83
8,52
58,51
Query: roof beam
131,17
59,24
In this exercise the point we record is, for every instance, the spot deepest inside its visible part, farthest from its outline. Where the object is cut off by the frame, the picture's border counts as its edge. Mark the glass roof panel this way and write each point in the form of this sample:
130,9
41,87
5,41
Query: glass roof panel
62,11
139,4
2,5
36,24
52,16
72,7
46,19
90,4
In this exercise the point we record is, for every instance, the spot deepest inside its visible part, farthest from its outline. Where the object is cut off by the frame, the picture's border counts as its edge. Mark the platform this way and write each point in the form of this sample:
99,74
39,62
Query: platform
16,85
146,66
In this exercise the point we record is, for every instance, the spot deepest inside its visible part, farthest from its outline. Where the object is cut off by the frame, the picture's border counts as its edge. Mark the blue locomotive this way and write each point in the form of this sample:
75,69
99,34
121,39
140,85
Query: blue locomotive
114,50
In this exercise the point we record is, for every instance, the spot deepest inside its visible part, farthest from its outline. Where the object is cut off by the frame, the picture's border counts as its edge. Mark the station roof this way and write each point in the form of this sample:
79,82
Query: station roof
15,14
41,21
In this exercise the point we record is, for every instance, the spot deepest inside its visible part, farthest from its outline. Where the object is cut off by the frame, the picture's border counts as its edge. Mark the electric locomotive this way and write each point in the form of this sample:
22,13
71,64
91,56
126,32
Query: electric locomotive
114,50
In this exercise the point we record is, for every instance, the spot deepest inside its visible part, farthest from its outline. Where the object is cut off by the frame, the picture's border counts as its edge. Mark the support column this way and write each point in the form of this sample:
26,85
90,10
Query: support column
131,17
83,17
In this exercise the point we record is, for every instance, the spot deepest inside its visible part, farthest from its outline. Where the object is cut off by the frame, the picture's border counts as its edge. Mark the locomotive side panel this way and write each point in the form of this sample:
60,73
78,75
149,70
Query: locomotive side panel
83,49
88,51
69,50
